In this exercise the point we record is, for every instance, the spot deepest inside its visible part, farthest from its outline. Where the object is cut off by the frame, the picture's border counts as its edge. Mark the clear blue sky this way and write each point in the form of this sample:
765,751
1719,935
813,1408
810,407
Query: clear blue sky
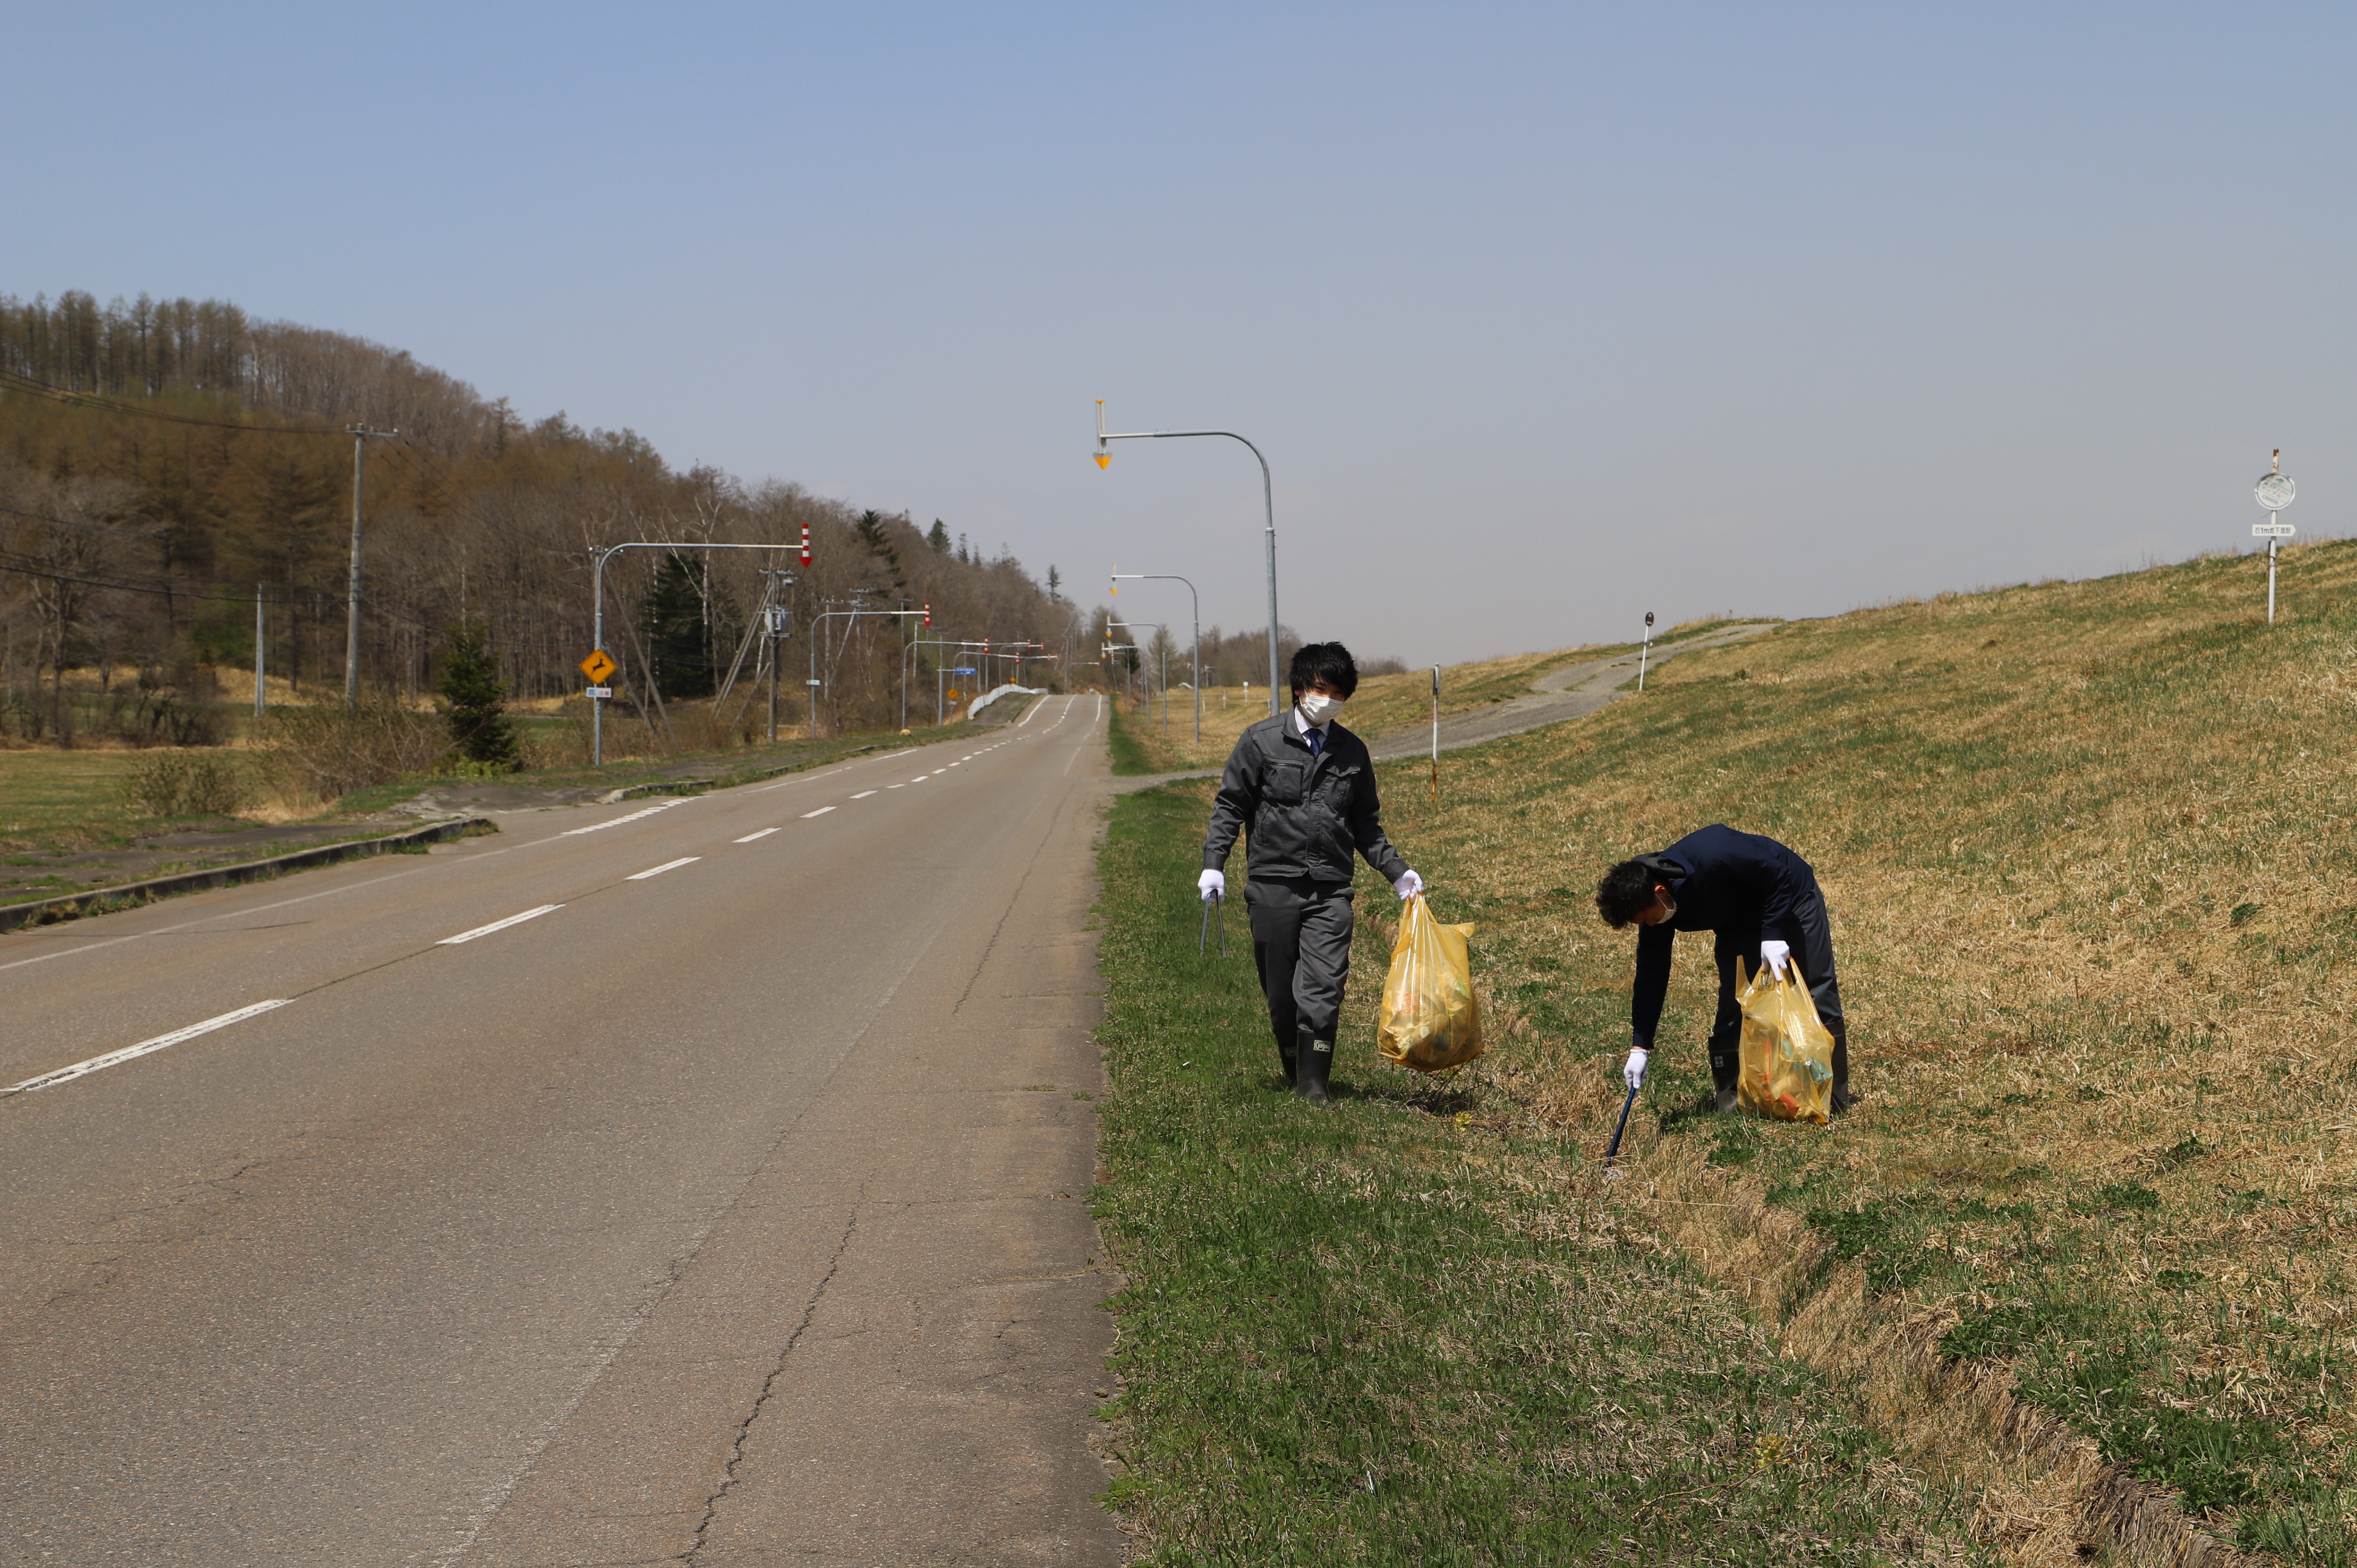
1545,316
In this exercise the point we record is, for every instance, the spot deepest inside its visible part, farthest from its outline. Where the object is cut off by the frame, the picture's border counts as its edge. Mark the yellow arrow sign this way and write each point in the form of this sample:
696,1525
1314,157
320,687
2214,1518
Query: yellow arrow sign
597,665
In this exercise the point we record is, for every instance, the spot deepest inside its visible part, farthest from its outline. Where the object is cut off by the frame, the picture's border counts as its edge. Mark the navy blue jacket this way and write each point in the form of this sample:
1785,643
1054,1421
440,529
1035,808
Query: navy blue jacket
1738,885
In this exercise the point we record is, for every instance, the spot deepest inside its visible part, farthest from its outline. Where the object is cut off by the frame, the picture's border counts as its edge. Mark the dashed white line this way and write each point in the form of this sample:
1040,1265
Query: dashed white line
763,834
899,785
820,812
917,780
497,926
863,794
666,865
84,1068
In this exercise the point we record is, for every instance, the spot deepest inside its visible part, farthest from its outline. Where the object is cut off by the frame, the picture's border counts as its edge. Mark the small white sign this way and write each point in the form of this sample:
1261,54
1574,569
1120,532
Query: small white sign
2273,530
601,692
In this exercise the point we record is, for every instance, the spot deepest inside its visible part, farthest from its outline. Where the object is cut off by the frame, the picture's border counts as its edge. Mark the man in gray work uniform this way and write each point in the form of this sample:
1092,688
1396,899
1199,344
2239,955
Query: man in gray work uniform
1302,788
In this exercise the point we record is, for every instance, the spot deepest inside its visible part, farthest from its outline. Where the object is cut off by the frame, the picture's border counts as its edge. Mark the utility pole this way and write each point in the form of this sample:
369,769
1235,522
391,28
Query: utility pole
257,649
361,434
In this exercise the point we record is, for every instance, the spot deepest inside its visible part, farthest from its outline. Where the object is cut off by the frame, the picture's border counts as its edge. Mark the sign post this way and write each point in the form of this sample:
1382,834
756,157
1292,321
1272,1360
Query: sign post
2275,491
1436,737
1646,651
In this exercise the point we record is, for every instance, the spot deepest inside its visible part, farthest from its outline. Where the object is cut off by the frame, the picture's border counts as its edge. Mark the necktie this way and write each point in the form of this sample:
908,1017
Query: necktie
1317,743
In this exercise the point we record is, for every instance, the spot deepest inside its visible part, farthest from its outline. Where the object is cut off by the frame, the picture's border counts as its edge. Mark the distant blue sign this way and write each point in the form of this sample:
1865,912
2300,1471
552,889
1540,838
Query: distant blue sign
965,672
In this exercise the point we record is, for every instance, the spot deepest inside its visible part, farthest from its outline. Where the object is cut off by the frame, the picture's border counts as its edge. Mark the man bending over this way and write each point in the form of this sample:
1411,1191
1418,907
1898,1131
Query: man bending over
1761,903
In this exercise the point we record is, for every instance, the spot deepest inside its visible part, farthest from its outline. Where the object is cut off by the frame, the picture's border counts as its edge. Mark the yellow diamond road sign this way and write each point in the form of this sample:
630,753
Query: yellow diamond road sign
597,665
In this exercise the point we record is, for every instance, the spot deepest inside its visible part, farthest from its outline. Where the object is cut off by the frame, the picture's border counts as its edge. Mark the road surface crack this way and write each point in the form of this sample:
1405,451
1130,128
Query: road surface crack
768,1387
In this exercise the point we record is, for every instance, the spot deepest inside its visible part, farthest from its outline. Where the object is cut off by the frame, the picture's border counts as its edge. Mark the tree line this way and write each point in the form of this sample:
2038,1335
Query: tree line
163,464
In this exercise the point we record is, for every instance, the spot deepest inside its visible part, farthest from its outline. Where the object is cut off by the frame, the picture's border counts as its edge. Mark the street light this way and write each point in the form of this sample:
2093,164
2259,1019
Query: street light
1268,503
1134,629
1198,654
597,617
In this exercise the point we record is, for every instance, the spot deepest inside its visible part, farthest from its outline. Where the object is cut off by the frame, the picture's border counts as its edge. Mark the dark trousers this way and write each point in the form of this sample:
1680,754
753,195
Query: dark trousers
1301,945
1812,942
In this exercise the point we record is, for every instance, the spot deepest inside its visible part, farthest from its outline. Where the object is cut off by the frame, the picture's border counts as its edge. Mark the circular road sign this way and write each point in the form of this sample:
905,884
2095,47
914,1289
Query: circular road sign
2275,491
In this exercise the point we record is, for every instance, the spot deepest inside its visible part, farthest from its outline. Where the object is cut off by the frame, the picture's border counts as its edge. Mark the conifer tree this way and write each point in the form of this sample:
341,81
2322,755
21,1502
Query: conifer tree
940,537
474,702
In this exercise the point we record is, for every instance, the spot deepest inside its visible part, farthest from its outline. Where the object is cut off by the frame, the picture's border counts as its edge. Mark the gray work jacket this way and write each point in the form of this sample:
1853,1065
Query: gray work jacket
1301,817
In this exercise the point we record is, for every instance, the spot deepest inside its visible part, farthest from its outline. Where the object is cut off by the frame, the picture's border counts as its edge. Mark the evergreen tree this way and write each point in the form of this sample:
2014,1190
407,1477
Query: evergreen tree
683,629
940,537
474,702
1055,586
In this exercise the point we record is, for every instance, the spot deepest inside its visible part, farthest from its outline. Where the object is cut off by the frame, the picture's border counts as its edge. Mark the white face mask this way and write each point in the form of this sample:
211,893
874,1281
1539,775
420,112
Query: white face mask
1319,709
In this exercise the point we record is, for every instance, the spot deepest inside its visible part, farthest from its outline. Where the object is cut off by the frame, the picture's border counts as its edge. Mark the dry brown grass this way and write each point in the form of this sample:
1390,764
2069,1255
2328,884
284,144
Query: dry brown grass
2086,848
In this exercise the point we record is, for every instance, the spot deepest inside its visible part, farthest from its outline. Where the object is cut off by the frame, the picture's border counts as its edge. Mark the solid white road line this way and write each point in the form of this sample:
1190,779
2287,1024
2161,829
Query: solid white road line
497,926
666,865
80,1070
820,812
765,833
863,794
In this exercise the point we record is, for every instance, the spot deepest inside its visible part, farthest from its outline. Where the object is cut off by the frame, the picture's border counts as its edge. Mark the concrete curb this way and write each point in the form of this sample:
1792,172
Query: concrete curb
71,905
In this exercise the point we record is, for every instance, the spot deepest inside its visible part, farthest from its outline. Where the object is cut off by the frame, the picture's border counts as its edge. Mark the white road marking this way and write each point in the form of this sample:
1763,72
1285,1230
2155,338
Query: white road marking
666,865
895,786
916,780
84,1068
765,833
633,816
820,812
863,794
497,926
939,772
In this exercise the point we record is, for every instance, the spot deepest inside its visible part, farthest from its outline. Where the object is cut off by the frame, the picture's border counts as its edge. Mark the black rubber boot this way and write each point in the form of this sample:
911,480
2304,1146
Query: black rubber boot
1843,1098
1316,1060
1722,1078
1287,1058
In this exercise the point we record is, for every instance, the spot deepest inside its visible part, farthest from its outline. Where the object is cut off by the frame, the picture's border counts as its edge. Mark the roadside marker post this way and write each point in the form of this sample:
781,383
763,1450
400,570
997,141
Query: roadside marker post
1646,651
2275,491
1436,737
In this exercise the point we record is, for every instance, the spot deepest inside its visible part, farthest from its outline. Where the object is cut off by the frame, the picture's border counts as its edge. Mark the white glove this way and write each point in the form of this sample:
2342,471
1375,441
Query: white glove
1633,1075
1212,885
1775,955
1408,886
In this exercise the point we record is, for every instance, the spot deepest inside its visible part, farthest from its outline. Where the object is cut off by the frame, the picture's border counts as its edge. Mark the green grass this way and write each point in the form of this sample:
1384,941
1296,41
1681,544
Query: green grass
1392,1332
2086,848
1130,759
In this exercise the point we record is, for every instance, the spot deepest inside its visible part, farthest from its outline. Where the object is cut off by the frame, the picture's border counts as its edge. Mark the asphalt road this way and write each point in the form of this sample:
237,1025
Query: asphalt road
721,1202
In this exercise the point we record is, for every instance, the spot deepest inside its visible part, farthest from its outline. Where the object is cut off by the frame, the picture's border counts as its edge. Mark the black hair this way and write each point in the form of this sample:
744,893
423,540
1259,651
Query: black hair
1626,892
1327,661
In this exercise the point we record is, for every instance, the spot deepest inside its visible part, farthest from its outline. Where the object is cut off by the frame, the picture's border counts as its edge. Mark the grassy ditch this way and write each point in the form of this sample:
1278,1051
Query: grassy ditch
2086,849
1405,1331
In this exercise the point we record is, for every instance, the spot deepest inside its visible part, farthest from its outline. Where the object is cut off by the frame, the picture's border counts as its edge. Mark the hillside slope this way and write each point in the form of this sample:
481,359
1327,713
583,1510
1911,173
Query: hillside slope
2086,847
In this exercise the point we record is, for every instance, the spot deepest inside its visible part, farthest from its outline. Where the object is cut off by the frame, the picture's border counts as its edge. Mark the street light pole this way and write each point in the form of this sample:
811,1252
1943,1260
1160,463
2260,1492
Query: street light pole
1268,503
597,617
1198,653
359,434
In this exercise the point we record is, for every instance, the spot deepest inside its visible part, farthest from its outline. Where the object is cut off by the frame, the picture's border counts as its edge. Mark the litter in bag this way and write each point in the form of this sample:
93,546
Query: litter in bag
1786,1056
1430,1021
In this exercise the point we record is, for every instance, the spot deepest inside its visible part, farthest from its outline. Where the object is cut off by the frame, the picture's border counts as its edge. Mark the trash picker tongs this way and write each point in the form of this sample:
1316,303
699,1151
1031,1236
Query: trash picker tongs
1612,1171
1214,902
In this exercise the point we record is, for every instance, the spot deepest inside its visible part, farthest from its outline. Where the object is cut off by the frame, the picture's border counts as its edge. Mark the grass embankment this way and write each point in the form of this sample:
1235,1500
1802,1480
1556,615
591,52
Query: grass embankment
1389,1333
1383,704
2087,852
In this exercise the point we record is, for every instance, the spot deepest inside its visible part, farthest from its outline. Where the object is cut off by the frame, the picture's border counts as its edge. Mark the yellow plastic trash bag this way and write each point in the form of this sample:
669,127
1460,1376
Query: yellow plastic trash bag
1787,1054
1430,1021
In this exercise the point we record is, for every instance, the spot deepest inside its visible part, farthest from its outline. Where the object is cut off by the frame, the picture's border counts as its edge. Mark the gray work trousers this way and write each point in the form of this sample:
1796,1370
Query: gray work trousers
1301,945
1806,932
